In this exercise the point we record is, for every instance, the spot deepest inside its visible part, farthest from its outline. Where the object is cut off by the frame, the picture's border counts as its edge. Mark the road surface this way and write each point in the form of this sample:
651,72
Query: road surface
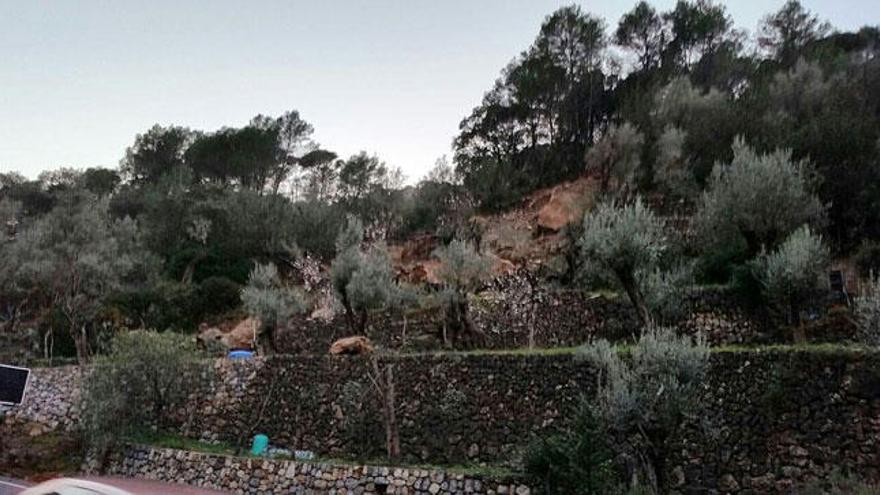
11,487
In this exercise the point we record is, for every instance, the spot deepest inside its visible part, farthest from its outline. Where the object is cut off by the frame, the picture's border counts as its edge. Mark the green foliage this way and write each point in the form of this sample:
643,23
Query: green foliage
164,305
794,276
361,424
644,400
76,257
697,125
217,295
616,156
757,200
788,31
641,31
623,238
100,181
144,381
348,252
372,284
627,242
265,297
462,268
314,226
245,157
666,292
462,271
867,313
432,203
867,258
576,462
155,153
533,127
839,484
672,172
363,279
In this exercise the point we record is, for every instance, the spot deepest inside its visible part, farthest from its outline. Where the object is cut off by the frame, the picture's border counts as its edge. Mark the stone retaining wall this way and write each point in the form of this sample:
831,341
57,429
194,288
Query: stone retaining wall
781,417
560,318
248,475
51,398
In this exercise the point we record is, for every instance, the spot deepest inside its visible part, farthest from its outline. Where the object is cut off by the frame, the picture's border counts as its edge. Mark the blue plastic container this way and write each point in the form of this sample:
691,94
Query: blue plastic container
261,443
240,354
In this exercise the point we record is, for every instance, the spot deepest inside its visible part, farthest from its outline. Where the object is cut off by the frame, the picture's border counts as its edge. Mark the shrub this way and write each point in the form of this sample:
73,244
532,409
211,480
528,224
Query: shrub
644,401
217,295
624,241
756,200
462,271
666,292
364,280
143,381
265,297
793,277
867,258
867,314
616,156
576,462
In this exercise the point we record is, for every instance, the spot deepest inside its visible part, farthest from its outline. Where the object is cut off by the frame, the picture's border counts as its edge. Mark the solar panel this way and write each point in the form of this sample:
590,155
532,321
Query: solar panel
13,382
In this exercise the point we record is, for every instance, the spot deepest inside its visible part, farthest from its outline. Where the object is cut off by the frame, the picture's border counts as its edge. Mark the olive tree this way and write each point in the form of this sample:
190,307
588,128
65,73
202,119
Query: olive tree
643,400
672,169
626,241
793,276
144,381
266,298
75,257
462,271
362,278
756,200
867,314
616,156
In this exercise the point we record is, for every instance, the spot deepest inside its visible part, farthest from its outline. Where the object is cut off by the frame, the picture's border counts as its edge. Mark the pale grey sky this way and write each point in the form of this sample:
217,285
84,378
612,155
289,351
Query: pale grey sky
78,79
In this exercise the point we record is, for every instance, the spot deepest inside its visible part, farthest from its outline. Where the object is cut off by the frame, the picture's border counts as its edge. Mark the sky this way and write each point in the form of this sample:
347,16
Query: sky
79,79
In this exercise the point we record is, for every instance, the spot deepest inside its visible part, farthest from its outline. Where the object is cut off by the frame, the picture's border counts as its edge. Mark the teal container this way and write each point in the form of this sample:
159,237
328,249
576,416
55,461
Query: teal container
261,443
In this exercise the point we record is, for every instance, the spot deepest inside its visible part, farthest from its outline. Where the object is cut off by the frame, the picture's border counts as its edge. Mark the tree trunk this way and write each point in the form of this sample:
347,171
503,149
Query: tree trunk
266,340
631,286
190,270
349,312
362,322
49,345
81,341
392,433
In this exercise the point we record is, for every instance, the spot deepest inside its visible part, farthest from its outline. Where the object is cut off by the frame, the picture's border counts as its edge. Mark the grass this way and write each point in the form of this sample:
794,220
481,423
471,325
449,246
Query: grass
167,440
824,348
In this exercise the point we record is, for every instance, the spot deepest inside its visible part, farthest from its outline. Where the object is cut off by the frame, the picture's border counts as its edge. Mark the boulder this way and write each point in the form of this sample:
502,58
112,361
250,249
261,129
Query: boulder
352,345
566,204
238,336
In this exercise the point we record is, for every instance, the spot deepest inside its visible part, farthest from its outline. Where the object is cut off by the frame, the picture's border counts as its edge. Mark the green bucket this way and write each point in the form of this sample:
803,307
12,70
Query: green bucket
261,443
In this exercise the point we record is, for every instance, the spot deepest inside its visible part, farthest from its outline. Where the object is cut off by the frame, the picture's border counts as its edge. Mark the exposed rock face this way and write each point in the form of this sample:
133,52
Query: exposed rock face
243,475
566,203
356,345
241,335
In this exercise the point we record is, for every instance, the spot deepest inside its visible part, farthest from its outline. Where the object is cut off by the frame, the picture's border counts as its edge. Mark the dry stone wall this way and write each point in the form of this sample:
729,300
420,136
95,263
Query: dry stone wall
244,475
778,417
50,399
550,318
